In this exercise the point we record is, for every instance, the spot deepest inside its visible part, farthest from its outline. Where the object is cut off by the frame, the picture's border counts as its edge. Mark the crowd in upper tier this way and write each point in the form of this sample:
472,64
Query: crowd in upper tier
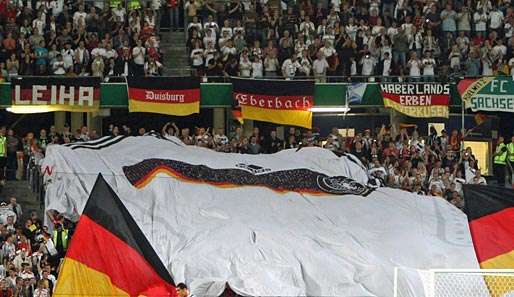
415,38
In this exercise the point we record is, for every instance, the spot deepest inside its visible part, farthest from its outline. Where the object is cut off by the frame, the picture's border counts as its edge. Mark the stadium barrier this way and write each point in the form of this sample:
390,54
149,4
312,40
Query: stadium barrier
455,282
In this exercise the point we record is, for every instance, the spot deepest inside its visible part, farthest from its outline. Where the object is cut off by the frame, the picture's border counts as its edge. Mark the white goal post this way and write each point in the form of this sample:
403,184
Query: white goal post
454,283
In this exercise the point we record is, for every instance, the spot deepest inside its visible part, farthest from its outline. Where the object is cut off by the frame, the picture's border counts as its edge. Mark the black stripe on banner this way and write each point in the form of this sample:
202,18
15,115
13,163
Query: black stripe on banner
481,200
273,87
163,83
91,142
28,82
99,147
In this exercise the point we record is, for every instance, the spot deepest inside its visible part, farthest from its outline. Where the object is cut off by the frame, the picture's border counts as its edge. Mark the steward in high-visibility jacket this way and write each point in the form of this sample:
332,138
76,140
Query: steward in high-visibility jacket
500,161
134,5
510,159
114,3
60,239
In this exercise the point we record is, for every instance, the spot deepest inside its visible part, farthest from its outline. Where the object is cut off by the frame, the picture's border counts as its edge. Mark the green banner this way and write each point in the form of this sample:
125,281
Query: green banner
488,93
114,95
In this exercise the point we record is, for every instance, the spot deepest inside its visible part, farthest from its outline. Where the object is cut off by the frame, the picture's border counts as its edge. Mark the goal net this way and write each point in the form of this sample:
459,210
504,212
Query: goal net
454,283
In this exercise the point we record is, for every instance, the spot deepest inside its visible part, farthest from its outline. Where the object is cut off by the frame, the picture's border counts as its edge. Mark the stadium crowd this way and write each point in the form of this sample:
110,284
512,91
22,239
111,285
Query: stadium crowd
418,38
29,254
75,38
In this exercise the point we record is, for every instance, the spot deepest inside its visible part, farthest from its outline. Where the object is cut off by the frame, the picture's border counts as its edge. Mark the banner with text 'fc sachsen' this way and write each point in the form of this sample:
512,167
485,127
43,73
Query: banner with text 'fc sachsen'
418,100
46,94
285,102
178,96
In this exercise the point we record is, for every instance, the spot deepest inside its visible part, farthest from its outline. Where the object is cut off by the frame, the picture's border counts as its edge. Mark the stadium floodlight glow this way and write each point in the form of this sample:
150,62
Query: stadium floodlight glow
30,109
342,109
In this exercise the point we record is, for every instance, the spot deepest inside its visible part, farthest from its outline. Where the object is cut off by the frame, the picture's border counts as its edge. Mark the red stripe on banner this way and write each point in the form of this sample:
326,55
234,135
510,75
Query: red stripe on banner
46,95
418,99
464,84
295,102
165,96
99,249
493,234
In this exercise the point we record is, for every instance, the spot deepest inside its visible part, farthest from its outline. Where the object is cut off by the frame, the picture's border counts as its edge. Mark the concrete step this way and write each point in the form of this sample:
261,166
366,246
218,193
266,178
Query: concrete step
24,196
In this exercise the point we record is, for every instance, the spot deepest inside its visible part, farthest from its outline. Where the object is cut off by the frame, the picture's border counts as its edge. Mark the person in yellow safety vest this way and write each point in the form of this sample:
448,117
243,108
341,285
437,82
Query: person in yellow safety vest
3,155
60,239
114,3
134,5
500,161
510,159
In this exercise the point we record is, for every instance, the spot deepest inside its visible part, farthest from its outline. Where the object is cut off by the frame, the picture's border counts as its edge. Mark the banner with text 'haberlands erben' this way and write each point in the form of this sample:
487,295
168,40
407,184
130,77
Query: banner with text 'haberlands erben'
178,96
286,102
488,93
418,100
45,94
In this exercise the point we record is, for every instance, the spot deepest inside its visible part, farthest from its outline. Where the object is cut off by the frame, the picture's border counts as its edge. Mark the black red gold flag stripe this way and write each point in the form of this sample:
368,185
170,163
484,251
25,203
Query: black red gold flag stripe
490,213
109,255
166,95
286,102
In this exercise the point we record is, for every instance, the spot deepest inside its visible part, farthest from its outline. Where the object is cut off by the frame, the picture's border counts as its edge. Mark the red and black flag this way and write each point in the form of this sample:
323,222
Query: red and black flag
166,95
490,213
109,255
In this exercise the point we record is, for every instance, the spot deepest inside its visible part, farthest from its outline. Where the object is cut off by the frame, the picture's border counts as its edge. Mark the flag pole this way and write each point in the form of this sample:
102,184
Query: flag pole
347,105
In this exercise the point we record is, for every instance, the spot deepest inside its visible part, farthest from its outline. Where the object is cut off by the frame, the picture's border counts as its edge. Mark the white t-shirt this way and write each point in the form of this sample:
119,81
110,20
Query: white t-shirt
245,68
414,67
368,64
138,53
289,67
386,71
197,56
480,21
77,15
320,66
496,18
428,66
257,69
99,51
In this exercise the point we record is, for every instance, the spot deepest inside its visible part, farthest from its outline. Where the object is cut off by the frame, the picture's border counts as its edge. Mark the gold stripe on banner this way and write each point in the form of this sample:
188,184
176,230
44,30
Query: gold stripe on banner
300,118
431,111
77,279
503,261
178,109
474,88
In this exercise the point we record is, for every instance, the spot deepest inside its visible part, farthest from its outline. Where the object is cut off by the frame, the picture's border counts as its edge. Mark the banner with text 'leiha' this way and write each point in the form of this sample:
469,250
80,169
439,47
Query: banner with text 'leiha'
418,100
178,96
46,94
285,102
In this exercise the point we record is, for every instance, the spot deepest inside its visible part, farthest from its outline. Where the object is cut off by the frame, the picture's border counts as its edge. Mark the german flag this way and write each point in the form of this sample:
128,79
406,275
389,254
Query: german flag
178,96
286,102
480,118
490,213
109,255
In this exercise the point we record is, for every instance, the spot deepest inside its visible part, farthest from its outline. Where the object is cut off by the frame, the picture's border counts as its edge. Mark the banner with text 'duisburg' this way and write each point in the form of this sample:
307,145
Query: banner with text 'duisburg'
178,96
46,94
285,102
418,100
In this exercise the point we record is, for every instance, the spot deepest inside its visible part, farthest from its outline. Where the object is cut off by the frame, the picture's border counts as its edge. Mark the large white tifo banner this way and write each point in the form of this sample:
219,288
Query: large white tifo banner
295,223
